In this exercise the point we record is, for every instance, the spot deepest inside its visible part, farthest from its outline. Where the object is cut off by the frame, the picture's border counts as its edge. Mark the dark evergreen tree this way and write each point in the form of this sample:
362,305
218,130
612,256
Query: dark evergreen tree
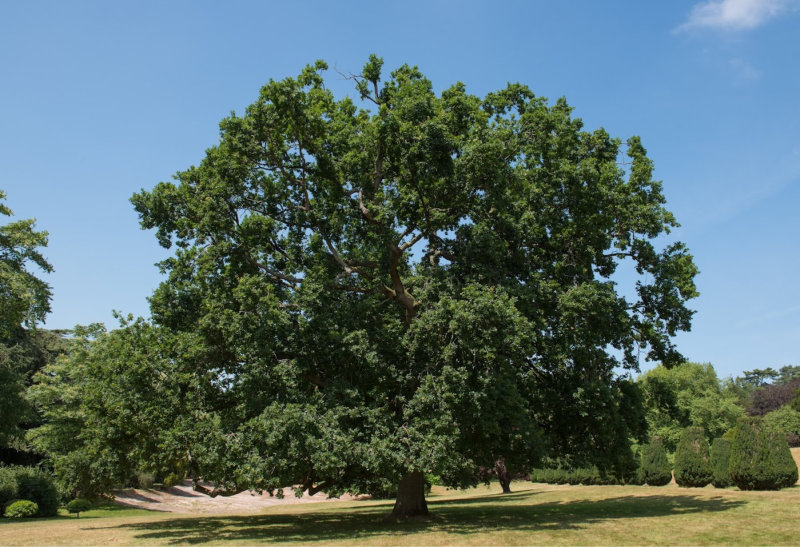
778,459
656,470
692,461
720,460
760,457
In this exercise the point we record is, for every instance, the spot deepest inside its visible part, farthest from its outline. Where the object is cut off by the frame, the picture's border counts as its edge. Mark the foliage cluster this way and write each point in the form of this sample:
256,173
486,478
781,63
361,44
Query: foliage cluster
688,394
586,476
786,420
692,461
122,405
24,300
29,484
78,506
762,377
656,468
771,397
720,462
760,457
21,509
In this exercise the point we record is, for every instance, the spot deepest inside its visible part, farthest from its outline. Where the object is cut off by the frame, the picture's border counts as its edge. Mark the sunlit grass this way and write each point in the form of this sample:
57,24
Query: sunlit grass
534,514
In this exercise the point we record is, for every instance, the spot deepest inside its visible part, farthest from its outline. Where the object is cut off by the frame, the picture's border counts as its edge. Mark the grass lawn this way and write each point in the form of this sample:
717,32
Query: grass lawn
534,514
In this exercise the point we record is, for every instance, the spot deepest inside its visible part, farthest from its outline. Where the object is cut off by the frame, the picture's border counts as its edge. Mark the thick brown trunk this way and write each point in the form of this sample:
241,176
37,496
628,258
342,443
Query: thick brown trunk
410,496
503,475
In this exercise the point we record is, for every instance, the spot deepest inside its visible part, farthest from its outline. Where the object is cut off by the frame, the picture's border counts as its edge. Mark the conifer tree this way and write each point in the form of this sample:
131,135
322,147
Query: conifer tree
692,461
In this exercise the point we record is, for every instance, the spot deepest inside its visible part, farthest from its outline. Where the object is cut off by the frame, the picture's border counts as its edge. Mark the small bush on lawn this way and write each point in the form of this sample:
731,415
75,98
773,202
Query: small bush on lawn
720,459
79,506
692,462
21,509
760,457
656,470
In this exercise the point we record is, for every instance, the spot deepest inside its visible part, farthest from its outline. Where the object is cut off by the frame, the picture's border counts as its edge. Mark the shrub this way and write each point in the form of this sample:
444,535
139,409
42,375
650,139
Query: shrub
79,506
760,457
692,462
635,476
145,479
656,470
8,485
29,483
778,460
37,485
21,509
720,459
581,475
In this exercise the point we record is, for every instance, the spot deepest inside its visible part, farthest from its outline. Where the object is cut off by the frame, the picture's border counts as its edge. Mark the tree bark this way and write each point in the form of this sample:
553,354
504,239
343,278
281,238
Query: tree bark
503,475
411,496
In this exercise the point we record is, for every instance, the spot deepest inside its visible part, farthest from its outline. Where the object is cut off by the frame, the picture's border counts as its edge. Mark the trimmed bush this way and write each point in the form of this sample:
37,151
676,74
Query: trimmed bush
656,470
692,461
21,509
79,506
760,457
778,459
636,477
720,459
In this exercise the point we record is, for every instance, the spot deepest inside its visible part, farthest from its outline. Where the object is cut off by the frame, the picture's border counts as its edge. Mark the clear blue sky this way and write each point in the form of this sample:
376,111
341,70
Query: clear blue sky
100,99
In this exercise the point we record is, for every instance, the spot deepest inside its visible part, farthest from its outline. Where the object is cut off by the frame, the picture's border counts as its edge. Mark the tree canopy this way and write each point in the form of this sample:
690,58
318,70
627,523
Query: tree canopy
24,301
411,282
24,298
689,394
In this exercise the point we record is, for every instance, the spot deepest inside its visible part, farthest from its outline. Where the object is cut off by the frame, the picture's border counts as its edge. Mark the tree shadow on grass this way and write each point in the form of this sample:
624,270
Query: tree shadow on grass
456,517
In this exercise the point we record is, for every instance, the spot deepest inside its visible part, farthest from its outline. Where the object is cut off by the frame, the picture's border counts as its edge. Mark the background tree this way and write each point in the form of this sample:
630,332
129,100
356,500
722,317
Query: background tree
786,420
25,353
382,294
24,301
120,404
772,397
689,394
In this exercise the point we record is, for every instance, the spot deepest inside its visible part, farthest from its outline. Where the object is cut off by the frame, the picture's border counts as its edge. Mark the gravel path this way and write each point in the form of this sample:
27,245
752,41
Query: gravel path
182,499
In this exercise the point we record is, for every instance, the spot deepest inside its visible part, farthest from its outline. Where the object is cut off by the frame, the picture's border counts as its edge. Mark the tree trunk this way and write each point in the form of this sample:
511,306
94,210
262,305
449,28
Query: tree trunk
503,475
410,496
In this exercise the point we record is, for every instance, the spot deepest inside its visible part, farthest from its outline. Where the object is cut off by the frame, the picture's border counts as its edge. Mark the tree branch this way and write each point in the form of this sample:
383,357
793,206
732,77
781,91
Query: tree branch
413,241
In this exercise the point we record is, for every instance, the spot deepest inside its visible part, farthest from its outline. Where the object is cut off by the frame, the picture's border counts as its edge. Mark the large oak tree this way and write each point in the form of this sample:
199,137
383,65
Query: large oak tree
412,282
